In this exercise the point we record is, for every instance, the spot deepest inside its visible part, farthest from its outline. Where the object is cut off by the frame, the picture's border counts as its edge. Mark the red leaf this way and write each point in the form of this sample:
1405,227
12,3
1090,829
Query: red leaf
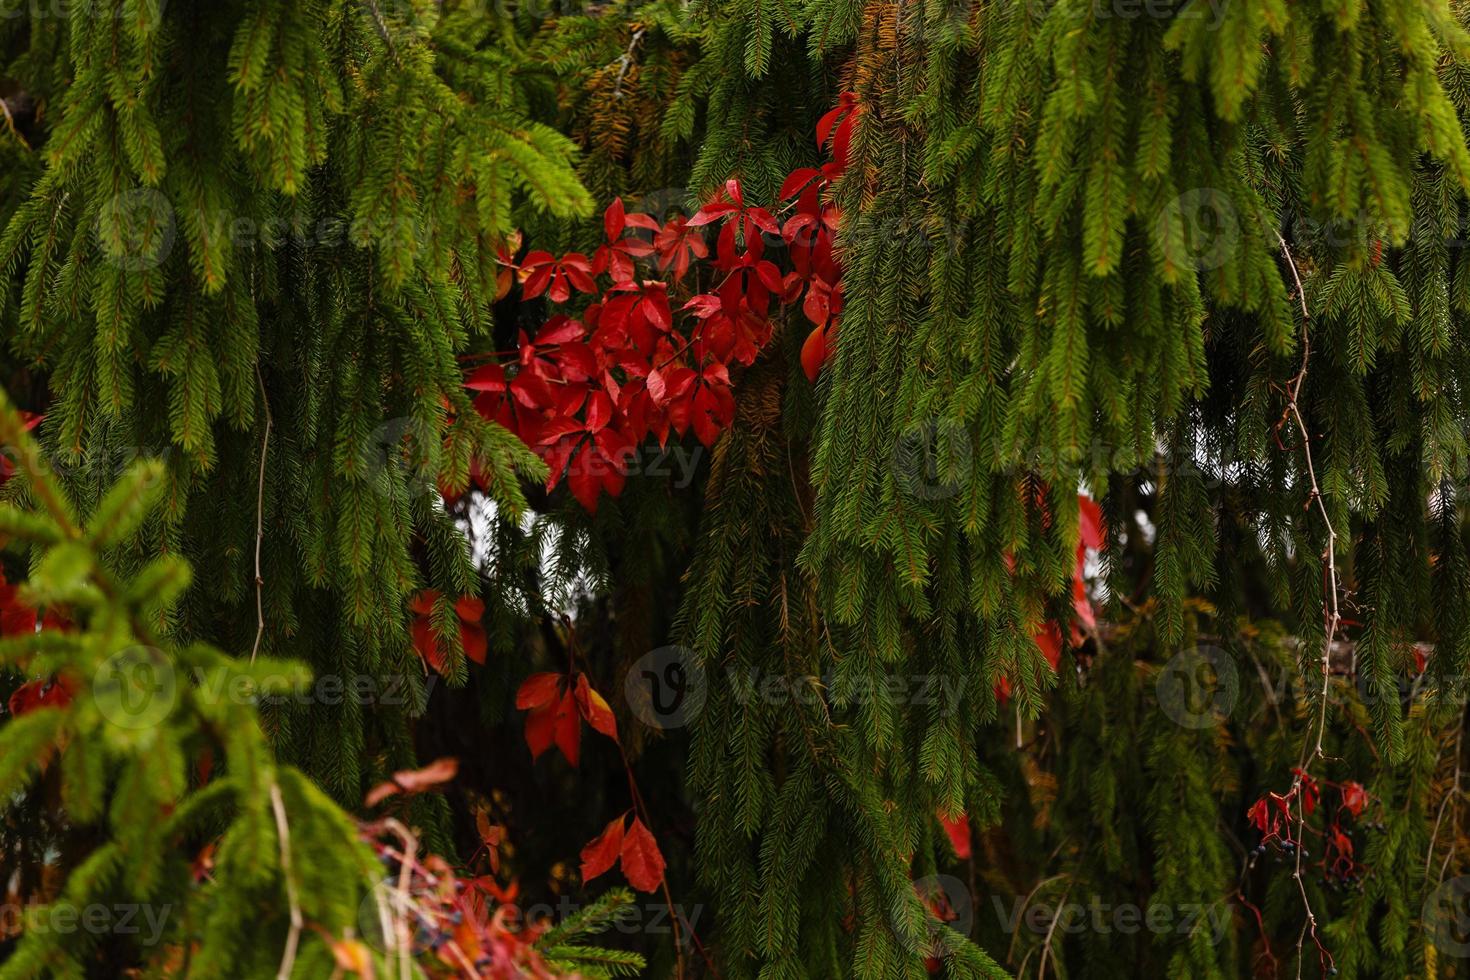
657,390
595,709
958,829
34,695
489,377
425,644
603,852
1049,640
643,865
1354,797
540,730
585,481
814,353
410,781
538,690
1259,816
1091,521
796,180
568,729
560,330
599,411
476,644
614,219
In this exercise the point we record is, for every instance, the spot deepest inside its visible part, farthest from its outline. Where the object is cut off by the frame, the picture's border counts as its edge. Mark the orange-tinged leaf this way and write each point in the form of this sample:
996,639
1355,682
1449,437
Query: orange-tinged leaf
595,709
353,956
1354,797
492,836
476,645
603,852
643,864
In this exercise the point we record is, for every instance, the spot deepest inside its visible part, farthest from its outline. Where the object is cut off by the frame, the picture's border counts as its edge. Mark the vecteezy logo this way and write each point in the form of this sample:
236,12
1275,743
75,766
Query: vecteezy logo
666,687
136,229
135,688
1446,919
931,461
1198,687
948,909
1199,229
402,448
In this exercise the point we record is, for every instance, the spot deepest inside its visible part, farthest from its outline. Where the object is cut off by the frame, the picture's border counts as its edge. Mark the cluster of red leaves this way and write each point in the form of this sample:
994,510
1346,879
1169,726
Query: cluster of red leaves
1271,815
463,927
631,845
1048,639
471,612
646,357
558,704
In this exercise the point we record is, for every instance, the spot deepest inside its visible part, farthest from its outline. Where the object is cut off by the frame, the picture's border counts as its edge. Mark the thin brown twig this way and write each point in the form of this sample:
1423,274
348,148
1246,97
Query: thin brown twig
1332,617
265,445
283,835
625,63
1050,930
1452,793
403,936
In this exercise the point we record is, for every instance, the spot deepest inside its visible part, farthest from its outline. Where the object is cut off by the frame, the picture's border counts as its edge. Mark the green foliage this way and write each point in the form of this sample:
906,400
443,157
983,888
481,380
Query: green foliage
267,228
1083,247
1074,239
124,748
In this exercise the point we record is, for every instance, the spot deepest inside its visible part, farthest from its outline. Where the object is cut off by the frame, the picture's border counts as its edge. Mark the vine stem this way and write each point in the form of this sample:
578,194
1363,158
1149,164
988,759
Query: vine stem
265,445
283,835
1332,617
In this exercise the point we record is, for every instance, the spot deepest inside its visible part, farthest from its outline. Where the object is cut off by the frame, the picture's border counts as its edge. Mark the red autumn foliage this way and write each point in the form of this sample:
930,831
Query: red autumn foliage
411,781
558,704
631,845
18,618
470,609
958,829
650,356
1092,537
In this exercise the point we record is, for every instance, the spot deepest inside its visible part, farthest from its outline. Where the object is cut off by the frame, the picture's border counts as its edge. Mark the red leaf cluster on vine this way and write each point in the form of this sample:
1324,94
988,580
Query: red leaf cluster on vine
645,358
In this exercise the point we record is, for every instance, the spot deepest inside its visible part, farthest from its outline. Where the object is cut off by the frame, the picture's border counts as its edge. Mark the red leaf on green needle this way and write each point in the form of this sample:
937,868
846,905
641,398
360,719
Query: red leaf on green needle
958,829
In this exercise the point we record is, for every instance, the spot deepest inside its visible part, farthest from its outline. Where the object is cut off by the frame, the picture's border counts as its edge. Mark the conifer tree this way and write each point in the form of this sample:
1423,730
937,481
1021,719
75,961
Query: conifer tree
1195,261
